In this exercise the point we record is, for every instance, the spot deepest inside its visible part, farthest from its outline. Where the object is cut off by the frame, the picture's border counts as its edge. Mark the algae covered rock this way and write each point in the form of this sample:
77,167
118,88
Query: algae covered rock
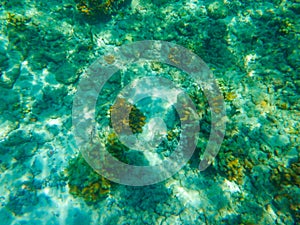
9,68
217,10
84,182
22,201
8,78
95,9
294,58
10,65
18,137
66,74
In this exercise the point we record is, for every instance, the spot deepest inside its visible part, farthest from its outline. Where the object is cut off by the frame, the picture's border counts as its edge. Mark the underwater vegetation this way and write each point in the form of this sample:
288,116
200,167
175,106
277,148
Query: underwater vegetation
234,167
286,179
16,20
282,176
115,147
84,182
97,8
255,55
136,119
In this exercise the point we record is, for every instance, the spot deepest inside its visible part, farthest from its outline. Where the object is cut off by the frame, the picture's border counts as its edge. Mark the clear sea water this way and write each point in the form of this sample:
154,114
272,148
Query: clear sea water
149,112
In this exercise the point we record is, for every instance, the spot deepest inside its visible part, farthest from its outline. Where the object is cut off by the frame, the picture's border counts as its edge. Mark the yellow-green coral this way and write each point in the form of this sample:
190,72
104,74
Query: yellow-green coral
84,182
97,8
286,176
281,177
136,119
230,96
234,167
115,147
92,192
286,26
235,171
16,20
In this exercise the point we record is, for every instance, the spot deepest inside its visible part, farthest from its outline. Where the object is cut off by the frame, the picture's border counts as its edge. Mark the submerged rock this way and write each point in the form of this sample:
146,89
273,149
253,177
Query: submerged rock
217,10
67,74
9,77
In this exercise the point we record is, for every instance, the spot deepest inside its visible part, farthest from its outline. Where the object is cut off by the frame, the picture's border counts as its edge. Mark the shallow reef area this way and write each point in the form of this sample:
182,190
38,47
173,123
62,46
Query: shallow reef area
253,50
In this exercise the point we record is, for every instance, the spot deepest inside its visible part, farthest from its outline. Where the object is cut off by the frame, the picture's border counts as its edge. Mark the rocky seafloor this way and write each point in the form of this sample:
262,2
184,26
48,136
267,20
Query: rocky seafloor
252,47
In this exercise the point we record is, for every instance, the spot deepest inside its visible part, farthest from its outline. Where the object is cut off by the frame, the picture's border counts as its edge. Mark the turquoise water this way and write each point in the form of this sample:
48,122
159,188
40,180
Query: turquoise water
53,58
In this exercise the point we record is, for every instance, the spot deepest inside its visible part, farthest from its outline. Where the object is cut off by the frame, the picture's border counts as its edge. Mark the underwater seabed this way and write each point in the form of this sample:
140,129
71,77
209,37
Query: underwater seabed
251,47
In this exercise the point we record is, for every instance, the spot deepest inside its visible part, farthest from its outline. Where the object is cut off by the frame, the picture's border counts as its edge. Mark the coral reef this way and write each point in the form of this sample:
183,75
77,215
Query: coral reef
217,10
115,147
287,179
97,8
230,96
282,176
233,169
136,119
286,26
252,48
16,20
84,182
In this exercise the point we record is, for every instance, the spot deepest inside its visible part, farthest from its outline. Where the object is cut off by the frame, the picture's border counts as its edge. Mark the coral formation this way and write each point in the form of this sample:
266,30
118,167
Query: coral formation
97,8
115,147
16,20
109,59
282,176
84,182
136,119
286,26
217,10
252,47
230,96
235,170
287,179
